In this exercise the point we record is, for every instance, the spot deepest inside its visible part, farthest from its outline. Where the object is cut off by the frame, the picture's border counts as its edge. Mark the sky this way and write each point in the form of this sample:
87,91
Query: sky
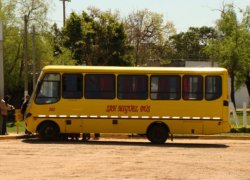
182,13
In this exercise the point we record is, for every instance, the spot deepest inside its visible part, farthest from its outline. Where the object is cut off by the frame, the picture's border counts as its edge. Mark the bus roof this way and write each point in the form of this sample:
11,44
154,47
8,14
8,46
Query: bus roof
121,69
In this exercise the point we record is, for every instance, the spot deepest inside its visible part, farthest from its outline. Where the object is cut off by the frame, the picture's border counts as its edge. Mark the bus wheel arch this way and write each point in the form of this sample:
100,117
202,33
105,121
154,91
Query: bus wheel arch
158,132
48,130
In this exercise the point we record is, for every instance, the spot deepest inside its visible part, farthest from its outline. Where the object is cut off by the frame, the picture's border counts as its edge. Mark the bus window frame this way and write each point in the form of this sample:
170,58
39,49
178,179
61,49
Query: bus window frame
201,91
40,83
82,87
178,93
131,75
217,97
96,98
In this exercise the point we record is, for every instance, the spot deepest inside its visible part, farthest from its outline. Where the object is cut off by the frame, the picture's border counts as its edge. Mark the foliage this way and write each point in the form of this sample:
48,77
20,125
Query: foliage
240,130
102,38
11,13
12,44
36,12
61,55
190,45
96,38
231,47
244,76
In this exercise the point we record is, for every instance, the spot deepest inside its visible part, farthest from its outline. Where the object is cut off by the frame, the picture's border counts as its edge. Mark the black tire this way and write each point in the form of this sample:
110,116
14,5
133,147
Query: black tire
48,131
157,134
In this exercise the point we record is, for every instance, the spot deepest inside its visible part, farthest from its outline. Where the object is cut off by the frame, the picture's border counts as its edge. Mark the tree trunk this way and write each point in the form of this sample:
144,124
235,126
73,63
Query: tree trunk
136,54
248,84
232,90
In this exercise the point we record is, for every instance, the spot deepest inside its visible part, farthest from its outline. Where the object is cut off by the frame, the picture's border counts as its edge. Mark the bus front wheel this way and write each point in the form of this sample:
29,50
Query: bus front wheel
48,131
157,134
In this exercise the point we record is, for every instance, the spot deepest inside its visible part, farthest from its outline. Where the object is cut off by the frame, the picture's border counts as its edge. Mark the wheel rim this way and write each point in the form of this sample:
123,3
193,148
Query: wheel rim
48,132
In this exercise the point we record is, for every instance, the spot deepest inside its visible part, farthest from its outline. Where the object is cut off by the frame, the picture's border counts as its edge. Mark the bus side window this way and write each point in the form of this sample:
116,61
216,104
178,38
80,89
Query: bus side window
213,87
192,87
72,86
132,87
99,86
49,89
165,87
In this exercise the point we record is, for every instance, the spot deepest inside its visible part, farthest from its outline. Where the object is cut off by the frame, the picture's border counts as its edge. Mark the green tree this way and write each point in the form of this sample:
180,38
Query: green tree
11,12
73,36
190,45
231,48
61,55
12,44
96,38
244,76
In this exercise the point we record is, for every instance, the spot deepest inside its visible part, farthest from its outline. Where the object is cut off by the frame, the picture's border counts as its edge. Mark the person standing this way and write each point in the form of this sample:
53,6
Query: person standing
4,108
24,105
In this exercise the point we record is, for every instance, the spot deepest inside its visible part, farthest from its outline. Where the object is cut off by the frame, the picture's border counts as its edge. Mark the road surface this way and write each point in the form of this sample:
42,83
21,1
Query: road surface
134,158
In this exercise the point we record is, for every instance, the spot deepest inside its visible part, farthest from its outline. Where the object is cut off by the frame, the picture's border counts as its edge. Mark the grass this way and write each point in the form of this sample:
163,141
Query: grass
240,129
12,127
240,120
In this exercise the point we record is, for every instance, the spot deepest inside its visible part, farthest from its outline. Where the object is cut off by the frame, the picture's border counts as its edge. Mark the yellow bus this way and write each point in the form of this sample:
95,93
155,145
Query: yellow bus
155,101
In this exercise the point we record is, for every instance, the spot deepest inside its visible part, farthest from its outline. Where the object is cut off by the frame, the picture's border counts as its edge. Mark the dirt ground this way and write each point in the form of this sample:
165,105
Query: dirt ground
124,159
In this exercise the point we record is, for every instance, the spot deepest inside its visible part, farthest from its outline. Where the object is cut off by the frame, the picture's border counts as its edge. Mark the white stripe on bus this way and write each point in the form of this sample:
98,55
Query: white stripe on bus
155,117
114,116
129,117
206,118
134,117
124,117
165,117
196,118
216,118
175,117
53,115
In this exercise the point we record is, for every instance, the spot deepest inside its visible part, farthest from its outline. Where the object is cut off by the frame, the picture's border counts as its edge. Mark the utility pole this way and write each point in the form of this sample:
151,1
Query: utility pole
1,62
64,14
25,55
34,55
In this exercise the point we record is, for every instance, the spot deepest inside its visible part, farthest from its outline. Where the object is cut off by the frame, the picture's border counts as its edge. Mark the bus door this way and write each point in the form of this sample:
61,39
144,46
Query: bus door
69,115
72,94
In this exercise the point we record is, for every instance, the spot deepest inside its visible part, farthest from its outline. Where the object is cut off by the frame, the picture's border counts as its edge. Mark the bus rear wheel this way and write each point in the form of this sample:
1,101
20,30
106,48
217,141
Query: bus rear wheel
157,134
48,131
